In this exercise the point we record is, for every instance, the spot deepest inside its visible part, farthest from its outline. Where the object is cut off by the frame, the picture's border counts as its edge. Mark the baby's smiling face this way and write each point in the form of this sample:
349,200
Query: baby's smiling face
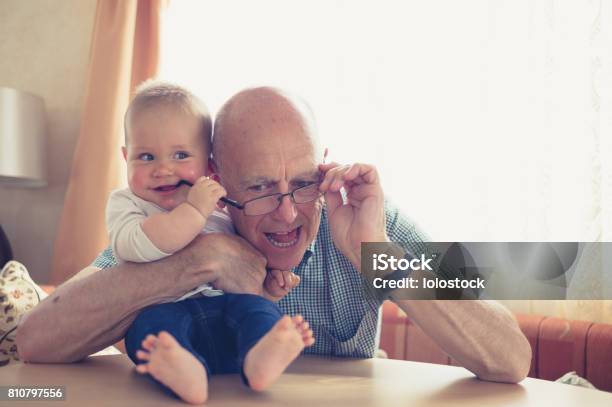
165,145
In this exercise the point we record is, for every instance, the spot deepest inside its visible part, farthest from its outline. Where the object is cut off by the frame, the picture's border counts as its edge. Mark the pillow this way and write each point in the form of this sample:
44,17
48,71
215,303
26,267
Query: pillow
18,295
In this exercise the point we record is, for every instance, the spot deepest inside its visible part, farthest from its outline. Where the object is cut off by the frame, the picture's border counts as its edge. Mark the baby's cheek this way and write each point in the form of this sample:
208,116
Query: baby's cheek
137,180
191,173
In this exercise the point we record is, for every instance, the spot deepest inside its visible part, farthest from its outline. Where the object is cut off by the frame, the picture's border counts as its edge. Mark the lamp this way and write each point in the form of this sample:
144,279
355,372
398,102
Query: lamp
22,147
22,139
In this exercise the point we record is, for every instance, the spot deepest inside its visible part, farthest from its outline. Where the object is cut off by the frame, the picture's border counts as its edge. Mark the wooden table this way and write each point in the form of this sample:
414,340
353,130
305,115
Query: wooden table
310,381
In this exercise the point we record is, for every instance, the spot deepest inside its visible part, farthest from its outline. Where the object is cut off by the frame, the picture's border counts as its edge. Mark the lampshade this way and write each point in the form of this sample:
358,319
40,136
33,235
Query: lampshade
22,139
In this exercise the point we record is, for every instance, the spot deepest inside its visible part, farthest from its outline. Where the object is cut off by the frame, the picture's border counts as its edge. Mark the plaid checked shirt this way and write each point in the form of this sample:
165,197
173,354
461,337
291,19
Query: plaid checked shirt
344,318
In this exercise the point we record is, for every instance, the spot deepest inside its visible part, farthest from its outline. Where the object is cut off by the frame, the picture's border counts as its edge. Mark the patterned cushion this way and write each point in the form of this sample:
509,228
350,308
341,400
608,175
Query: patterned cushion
18,295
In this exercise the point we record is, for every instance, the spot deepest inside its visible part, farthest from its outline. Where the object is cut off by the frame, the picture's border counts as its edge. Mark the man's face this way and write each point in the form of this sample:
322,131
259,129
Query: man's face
276,157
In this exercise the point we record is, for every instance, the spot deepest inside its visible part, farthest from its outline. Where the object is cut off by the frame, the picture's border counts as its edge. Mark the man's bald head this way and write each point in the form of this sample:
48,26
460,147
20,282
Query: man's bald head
252,110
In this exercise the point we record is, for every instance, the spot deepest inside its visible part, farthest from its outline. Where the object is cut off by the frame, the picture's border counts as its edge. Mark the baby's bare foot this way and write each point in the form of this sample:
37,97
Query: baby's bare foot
303,328
269,358
174,366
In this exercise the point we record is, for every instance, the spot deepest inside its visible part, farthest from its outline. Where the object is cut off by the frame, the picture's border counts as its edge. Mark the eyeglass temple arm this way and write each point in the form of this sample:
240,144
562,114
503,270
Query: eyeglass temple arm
223,199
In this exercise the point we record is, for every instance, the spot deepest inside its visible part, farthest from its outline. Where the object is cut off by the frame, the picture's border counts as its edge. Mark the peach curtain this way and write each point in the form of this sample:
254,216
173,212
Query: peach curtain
124,52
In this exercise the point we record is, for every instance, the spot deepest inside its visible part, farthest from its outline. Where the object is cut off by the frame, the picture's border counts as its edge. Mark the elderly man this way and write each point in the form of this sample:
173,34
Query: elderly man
266,155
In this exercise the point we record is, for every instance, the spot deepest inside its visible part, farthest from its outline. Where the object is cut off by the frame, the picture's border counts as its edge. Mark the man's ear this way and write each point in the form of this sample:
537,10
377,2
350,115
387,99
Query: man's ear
124,152
213,170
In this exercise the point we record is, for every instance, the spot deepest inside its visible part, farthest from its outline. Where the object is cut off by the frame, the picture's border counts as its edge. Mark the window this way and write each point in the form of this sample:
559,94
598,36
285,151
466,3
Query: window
488,120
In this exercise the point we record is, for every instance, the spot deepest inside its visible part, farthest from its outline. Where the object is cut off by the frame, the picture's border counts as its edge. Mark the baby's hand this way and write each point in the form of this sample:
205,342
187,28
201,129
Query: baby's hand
278,284
204,195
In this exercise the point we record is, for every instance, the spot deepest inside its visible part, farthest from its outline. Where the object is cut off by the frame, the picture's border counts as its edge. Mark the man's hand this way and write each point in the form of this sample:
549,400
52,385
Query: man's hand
278,284
204,195
362,217
236,265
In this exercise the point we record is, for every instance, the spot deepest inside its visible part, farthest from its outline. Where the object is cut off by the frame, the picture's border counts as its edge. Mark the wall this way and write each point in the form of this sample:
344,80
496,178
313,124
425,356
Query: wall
44,50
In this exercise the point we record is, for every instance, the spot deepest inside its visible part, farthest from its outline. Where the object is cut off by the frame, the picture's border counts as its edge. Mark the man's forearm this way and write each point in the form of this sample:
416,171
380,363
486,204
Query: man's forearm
482,336
95,308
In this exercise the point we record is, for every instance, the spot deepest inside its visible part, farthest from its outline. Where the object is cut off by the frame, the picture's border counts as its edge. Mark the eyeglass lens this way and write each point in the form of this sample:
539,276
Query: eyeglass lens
267,204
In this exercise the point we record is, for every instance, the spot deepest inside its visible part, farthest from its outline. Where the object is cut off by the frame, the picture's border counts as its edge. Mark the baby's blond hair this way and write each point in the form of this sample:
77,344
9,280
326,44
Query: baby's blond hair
154,93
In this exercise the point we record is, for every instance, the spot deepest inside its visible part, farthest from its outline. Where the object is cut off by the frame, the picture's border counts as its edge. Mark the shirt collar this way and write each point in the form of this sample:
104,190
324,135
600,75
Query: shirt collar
310,250
308,253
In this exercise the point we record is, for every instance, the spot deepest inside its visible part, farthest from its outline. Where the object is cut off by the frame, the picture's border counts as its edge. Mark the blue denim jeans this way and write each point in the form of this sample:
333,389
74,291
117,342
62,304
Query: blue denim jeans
219,331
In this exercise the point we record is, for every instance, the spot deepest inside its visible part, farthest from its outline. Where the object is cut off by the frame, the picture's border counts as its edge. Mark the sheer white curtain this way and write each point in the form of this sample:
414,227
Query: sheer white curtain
489,120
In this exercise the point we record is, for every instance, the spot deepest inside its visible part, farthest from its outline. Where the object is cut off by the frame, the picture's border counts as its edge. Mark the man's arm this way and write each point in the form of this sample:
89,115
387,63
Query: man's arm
482,336
94,309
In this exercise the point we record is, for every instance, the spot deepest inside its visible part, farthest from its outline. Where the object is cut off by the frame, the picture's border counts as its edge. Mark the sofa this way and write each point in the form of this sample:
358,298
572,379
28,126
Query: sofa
558,345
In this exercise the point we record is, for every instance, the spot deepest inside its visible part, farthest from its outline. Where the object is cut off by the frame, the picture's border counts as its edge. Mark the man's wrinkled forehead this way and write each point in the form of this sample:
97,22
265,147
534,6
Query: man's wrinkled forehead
248,181
273,160
272,153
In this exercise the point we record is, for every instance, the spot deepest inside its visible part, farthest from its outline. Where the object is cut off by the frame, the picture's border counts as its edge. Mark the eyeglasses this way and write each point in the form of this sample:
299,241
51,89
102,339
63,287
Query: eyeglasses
269,203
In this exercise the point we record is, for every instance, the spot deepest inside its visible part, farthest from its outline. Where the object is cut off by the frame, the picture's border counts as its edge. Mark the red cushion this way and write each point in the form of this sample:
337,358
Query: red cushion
599,356
562,347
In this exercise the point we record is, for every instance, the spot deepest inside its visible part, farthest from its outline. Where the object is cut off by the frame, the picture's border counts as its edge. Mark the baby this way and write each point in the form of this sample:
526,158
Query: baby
167,137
